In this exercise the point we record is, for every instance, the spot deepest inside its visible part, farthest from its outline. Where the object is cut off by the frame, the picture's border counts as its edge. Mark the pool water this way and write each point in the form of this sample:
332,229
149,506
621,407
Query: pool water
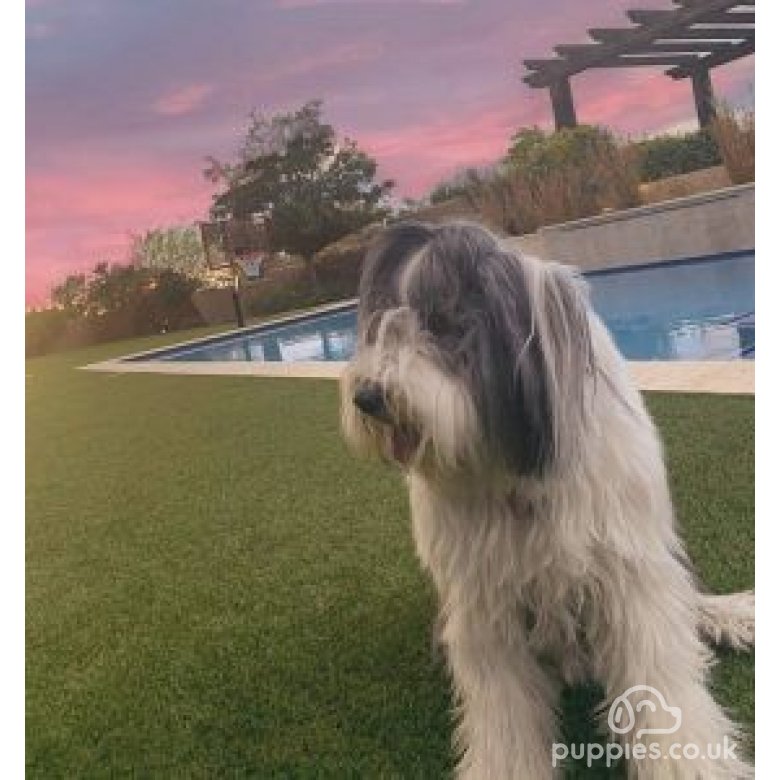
698,309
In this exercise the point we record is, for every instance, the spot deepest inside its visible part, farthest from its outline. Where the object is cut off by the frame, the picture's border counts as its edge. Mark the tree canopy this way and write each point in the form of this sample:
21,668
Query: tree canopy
151,294
311,187
176,248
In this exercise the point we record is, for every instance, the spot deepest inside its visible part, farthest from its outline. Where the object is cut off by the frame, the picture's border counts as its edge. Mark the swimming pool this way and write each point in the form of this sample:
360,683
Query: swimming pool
693,309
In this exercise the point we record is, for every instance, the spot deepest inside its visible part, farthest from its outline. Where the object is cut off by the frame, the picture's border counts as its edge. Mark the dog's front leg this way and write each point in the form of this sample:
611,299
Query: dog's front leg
654,669
506,702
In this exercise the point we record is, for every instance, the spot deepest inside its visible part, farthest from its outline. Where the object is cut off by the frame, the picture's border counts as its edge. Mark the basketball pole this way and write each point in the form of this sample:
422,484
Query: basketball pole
237,297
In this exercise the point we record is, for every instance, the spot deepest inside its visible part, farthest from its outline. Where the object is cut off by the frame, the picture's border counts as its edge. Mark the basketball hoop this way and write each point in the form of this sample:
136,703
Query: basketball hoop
237,244
251,265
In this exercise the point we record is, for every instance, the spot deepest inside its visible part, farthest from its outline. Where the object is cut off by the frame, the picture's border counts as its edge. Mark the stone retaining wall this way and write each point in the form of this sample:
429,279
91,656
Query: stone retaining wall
706,224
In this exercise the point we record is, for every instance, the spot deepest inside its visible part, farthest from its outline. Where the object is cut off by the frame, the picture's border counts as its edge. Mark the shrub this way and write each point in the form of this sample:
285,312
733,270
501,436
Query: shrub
734,132
547,179
669,155
539,153
455,187
113,302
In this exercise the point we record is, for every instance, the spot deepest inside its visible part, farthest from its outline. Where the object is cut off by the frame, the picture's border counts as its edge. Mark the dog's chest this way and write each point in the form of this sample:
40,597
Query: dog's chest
502,556
497,548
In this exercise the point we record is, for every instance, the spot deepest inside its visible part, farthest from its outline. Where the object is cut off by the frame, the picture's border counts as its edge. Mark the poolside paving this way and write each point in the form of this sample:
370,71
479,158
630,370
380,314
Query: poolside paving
730,377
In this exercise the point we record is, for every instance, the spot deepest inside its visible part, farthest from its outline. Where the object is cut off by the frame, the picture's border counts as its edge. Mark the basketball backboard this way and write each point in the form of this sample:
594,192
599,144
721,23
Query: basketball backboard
233,241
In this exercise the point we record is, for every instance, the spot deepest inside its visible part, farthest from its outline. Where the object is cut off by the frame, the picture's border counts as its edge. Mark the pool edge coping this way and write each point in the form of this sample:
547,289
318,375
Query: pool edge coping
198,341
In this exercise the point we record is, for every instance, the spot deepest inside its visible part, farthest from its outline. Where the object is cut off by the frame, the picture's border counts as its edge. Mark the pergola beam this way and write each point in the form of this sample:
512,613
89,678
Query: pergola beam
730,17
674,25
715,59
710,34
651,17
610,34
647,60
549,66
691,3
692,46
568,50
722,46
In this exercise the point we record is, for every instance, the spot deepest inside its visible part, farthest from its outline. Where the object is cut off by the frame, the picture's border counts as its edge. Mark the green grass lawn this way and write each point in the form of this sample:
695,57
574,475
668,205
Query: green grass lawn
215,588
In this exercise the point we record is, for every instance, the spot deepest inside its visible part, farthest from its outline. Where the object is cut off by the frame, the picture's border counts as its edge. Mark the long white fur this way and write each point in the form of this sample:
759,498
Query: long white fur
575,575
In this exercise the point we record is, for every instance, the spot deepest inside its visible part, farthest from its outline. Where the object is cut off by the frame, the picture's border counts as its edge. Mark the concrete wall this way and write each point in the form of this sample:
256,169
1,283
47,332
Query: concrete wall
698,225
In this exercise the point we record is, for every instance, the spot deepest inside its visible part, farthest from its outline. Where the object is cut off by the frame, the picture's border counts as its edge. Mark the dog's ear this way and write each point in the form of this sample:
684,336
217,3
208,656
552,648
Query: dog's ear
384,262
564,329
542,335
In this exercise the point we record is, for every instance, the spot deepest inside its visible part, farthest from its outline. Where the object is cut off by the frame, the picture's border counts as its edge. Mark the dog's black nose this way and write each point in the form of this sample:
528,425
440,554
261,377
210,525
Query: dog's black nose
370,399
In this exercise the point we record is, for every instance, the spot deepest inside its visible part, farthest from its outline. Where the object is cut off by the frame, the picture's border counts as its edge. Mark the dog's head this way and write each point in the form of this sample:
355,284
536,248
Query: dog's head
469,358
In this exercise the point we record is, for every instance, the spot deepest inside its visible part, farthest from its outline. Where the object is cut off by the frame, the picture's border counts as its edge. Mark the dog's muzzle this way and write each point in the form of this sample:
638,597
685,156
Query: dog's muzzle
403,439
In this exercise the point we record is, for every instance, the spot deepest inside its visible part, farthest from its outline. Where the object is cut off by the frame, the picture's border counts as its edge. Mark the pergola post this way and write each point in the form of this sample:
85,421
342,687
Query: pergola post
562,103
703,95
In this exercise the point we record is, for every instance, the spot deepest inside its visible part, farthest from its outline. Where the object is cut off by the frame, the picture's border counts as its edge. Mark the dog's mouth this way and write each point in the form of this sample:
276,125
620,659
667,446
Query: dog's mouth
404,443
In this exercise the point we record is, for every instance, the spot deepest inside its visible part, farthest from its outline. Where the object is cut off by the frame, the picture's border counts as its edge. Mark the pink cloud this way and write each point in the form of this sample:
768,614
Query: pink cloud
347,54
183,100
421,155
77,217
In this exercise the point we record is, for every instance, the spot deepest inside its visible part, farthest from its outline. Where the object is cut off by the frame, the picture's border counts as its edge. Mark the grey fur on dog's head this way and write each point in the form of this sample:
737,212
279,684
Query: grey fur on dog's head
500,329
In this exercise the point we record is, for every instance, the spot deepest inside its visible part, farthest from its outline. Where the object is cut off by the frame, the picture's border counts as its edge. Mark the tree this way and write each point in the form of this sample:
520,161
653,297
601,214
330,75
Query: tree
71,294
312,188
143,300
175,248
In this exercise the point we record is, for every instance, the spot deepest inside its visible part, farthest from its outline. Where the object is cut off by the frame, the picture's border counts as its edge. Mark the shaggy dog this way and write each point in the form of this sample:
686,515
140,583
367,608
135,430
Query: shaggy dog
539,502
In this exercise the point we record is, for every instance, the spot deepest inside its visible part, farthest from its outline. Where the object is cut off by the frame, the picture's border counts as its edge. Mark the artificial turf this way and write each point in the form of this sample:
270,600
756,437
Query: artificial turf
215,588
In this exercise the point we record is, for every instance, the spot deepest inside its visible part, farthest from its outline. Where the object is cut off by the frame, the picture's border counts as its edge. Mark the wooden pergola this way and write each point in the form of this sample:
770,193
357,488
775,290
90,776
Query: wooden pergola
688,41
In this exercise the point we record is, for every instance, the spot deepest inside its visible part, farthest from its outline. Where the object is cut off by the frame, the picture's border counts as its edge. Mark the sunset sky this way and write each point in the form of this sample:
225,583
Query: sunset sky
125,98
